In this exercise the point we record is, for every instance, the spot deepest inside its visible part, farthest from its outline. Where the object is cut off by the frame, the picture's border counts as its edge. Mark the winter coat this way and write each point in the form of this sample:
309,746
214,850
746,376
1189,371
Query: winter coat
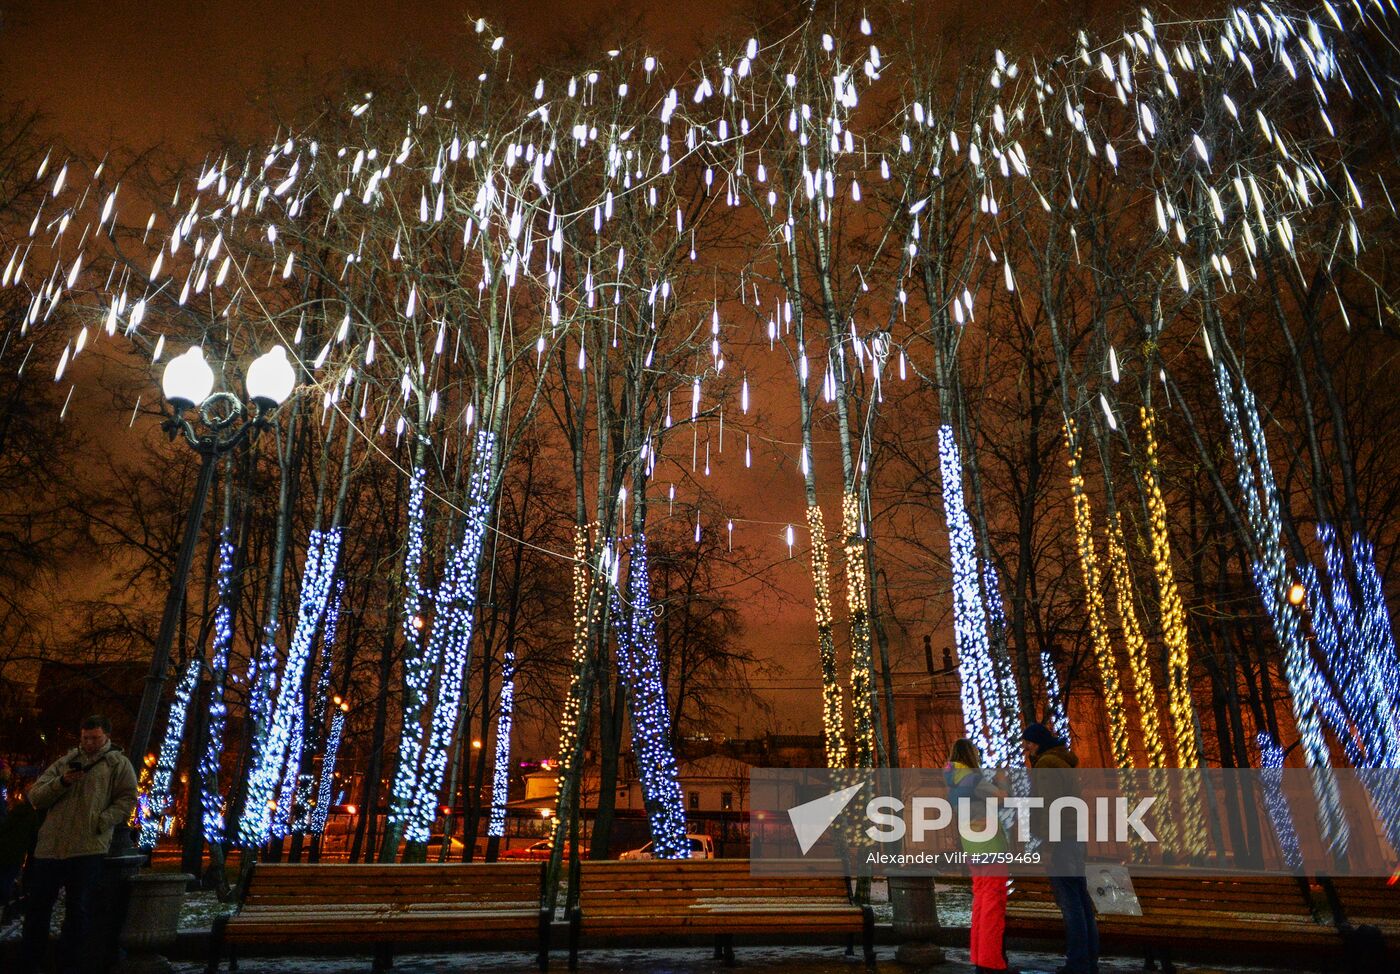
1059,757
972,784
1066,857
79,818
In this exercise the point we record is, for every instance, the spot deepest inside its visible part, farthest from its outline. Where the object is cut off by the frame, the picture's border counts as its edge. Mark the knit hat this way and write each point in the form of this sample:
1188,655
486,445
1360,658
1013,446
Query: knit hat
1041,736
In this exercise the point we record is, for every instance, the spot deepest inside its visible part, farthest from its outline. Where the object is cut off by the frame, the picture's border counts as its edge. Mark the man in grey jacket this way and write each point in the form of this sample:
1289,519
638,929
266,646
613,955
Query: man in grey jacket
84,796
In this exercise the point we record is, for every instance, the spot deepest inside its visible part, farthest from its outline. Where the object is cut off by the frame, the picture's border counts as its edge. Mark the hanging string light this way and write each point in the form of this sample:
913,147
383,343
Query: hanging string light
1144,685
1174,630
277,754
1356,659
329,630
976,673
450,639
1262,505
321,696
833,731
1325,629
1358,714
1180,706
262,679
858,614
324,796
500,774
1093,594
417,667
286,803
1006,720
210,761
651,718
586,611
1280,815
1059,718
1377,631
159,799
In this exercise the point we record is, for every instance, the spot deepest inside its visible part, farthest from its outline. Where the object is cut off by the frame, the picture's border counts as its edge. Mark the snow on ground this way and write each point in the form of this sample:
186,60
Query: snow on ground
201,907
953,911
678,960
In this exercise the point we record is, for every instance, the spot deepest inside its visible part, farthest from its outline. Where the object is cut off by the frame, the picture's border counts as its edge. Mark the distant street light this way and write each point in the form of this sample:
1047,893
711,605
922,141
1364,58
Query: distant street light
213,424
1296,593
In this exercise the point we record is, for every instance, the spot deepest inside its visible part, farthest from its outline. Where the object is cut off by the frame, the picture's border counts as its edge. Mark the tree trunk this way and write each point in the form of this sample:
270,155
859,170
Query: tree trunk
370,802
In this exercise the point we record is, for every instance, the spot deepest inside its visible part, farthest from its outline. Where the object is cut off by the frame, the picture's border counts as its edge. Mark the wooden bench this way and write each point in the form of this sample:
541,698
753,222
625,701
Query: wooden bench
384,906
1259,914
1368,900
705,897
1356,902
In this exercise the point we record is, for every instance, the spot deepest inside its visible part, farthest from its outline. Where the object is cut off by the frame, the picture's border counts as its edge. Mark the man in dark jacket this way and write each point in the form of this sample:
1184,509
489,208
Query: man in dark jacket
85,795
1065,859
18,830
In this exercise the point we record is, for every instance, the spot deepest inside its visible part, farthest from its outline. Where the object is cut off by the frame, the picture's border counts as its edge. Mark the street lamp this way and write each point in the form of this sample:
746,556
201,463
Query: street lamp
213,424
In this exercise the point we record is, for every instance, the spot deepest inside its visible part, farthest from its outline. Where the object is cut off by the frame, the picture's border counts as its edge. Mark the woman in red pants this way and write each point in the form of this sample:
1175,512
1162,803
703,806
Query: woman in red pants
966,780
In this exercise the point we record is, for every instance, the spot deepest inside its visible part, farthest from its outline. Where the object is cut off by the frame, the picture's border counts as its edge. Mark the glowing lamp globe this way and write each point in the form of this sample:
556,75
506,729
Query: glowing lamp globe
271,378
187,380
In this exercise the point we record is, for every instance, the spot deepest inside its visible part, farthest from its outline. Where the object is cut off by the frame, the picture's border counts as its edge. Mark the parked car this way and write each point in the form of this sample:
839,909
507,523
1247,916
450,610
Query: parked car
538,852
701,847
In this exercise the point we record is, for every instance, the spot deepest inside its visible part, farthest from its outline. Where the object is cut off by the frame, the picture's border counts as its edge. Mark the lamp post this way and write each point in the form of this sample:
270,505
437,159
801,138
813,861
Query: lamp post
213,424
142,910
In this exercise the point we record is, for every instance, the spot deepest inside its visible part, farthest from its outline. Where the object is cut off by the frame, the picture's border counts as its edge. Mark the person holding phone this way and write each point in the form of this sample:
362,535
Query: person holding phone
84,795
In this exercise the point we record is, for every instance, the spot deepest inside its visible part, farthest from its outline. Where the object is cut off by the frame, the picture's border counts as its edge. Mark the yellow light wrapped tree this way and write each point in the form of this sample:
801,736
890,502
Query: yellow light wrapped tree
1093,594
857,608
1174,633
584,616
833,731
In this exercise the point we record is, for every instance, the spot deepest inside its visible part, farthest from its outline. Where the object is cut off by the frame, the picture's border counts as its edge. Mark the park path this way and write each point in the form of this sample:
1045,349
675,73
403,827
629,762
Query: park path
680,960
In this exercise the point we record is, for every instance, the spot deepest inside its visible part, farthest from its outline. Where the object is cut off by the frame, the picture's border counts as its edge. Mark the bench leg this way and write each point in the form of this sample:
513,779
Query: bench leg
573,941
216,945
867,935
542,961
719,946
383,958
729,950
